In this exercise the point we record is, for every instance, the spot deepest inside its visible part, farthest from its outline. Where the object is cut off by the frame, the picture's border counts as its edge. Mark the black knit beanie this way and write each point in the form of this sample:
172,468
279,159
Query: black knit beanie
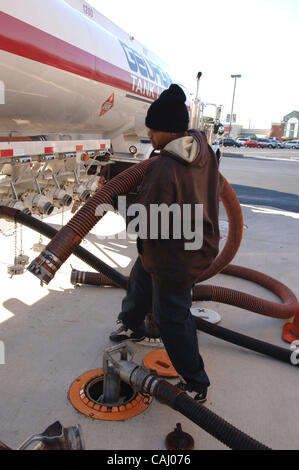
169,112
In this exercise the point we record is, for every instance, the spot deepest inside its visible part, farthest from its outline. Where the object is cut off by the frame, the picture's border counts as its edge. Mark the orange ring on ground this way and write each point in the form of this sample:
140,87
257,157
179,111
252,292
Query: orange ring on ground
159,361
93,410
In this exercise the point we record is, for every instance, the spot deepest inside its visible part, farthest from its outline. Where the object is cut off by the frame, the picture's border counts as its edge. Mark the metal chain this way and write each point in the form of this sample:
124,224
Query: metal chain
41,238
2,232
16,238
21,239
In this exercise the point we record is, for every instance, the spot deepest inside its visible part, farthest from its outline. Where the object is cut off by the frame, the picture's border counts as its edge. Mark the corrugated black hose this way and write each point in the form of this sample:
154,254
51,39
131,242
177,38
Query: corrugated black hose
205,418
81,253
282,354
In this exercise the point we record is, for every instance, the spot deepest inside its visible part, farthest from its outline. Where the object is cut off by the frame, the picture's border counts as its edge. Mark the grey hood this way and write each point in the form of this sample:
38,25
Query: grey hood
186,148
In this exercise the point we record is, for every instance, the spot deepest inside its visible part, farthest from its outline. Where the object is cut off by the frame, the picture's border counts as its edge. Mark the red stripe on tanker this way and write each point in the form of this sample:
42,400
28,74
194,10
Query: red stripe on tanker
59,67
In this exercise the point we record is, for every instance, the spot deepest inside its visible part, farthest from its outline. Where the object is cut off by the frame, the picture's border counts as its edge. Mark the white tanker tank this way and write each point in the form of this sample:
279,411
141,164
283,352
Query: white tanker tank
70,73
74,93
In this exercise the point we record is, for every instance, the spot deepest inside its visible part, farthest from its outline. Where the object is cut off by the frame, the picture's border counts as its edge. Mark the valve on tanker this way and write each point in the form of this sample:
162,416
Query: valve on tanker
41,204
95,183
81,192
58,197
15,204
38,203
78,190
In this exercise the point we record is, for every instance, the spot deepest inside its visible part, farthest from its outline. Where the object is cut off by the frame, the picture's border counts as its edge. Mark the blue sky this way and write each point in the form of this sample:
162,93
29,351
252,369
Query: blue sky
257,39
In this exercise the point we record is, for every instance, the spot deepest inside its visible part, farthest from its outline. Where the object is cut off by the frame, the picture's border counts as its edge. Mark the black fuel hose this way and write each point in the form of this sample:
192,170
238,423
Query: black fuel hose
244,341
49,232
217,427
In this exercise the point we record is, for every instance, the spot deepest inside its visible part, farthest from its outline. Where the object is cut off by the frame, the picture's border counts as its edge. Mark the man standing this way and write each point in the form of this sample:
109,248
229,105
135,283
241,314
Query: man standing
161,280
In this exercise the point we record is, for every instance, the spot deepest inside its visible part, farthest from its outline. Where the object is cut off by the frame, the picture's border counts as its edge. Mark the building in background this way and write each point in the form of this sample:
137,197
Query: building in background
260,133
291,125
235,130
288,129
277,130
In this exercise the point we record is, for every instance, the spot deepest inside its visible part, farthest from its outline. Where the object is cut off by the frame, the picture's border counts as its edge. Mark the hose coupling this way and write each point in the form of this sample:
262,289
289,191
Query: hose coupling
45,266
77,277
143,380
139,377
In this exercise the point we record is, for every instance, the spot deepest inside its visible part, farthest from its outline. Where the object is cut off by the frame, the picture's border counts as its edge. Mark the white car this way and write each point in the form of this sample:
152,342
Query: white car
292,144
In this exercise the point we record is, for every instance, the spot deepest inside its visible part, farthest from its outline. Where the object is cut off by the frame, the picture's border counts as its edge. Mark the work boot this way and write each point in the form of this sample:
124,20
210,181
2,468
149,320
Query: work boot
200,390
123,333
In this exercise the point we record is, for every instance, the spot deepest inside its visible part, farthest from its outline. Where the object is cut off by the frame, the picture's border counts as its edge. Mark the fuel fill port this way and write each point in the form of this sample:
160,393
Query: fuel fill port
101,394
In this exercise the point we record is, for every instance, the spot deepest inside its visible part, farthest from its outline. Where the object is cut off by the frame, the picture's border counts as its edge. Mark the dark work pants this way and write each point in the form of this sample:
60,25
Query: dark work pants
171,310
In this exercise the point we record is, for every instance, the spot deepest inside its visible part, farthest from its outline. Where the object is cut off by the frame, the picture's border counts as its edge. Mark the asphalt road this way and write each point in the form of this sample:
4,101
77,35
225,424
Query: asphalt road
281,154
265,177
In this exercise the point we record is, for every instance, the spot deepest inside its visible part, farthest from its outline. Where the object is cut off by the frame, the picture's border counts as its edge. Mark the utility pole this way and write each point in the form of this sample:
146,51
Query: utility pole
195,114
231,114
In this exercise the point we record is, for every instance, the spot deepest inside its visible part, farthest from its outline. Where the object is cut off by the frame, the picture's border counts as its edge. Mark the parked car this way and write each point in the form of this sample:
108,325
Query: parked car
254,143
292,144
242,140
230,143
280,145
271,144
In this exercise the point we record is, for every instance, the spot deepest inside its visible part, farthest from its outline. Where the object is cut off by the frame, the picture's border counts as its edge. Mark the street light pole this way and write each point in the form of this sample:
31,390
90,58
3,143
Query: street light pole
231,114
195,111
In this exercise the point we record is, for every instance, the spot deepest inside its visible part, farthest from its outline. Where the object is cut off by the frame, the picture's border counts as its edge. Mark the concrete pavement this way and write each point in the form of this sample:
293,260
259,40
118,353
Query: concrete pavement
53,334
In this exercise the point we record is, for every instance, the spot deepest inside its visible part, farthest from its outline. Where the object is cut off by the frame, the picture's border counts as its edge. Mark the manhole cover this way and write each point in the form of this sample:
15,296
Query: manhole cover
205,314
160,362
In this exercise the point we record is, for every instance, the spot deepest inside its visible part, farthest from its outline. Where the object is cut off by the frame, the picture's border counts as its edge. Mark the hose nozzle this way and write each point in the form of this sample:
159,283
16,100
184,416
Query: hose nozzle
45,266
